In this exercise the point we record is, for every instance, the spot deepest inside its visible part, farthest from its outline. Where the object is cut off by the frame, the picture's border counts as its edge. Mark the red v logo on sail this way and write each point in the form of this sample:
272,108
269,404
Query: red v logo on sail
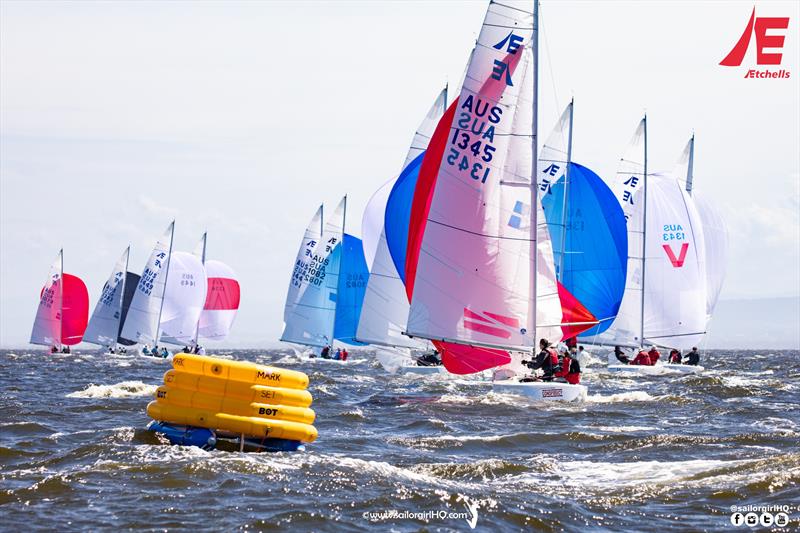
677,262
490,323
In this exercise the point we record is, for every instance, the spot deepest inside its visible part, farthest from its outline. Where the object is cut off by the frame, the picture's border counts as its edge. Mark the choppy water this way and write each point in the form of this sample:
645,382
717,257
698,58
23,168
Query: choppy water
666,452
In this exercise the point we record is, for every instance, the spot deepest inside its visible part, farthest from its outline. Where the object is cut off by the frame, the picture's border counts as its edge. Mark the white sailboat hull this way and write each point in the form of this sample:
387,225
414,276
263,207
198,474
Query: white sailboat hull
542,390
643,370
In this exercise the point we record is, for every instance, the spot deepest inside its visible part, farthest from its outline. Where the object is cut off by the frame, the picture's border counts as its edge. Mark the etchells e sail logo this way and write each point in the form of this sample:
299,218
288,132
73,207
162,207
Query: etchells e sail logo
768,35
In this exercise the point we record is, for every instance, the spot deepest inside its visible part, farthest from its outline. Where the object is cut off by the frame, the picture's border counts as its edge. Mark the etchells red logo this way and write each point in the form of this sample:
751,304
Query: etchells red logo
769,37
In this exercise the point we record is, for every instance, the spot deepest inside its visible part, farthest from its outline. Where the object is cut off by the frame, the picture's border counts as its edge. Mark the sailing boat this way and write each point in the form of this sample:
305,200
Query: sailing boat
328,263
480,272
665,292
63,309
587,227
222,298
144,314
105,325
385,307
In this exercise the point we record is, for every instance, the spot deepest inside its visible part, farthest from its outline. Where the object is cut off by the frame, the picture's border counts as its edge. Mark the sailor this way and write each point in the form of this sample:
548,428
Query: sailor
186,349
693,357
344,354
570,367
326,352
547,360
571,342
580,353
201,350
430,359
164,352
338,355
621,357
642,358
54,349
675,356
654,354
154,350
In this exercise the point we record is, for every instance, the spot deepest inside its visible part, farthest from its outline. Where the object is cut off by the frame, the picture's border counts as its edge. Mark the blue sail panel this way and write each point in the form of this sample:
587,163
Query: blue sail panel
398,214
590,244
352,285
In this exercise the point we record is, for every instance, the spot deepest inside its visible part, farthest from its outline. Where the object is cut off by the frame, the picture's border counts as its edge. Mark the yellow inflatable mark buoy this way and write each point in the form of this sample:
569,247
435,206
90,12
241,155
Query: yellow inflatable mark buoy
246,425
237,389
198,400
239,371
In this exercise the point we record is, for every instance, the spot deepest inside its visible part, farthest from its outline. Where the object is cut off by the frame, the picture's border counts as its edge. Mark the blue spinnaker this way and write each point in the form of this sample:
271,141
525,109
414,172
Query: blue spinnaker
590,244
353,276
398,214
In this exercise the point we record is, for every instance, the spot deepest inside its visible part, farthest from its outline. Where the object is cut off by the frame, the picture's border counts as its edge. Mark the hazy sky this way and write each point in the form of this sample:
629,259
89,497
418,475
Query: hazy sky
240,118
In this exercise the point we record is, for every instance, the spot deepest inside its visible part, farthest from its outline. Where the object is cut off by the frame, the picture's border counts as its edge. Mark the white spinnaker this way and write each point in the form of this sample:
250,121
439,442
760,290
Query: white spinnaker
385,308
47,324
473,278
372,222
184,298
426,128
141,322
715,233
215,324
628,185
553,156
103,327
675,282
310,309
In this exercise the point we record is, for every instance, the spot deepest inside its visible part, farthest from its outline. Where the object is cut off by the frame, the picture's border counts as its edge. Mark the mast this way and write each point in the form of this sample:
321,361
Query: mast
565,203
446,85
166,275
61,298
341,261
644,230
690,166
122,299
534,169
202,260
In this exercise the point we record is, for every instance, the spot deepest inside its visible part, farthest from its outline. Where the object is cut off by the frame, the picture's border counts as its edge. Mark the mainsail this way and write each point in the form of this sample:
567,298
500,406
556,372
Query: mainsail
104,326
310,307
47,324
385,306
144,314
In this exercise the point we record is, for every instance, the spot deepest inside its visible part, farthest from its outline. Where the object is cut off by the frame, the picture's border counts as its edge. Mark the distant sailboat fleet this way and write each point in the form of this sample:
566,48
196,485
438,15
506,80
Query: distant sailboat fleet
482,255
487,248
179,299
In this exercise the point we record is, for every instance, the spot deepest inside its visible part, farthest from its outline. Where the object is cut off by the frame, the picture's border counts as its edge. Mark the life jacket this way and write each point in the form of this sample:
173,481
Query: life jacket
553,358
654,356
642,359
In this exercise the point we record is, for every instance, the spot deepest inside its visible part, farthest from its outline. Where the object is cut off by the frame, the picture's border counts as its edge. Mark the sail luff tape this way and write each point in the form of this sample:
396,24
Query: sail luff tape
251,426
239,371
237,390
199,400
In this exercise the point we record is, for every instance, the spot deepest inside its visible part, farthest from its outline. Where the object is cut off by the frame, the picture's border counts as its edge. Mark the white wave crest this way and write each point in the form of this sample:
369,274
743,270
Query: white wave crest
633,396
124,389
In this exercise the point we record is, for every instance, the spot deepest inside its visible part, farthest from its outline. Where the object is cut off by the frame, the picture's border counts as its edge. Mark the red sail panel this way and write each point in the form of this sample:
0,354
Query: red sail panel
223,294
575,317
75,310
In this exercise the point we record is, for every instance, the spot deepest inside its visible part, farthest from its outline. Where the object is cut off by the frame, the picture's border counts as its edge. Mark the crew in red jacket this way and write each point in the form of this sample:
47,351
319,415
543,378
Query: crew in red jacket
654,355
642,359
570,368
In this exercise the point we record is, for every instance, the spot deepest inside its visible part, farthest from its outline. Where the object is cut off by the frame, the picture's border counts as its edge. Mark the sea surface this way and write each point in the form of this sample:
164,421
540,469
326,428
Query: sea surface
663,453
